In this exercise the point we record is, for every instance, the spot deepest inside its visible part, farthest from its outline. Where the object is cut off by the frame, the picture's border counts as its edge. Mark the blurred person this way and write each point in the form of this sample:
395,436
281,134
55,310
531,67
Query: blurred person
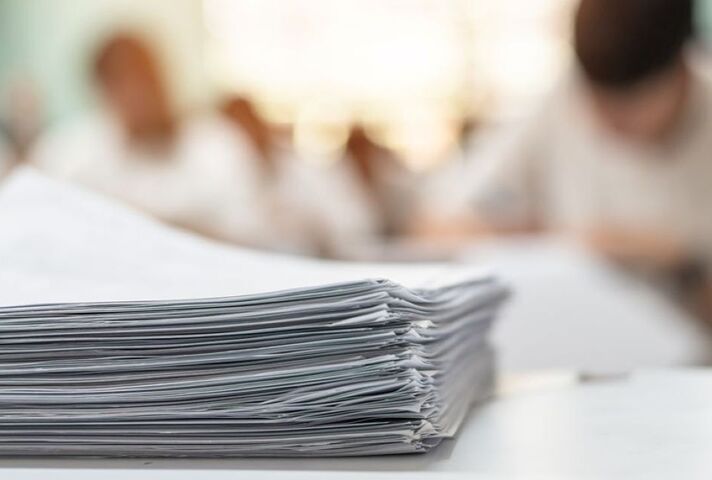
620,156
242,113
318,207
190,171
391,186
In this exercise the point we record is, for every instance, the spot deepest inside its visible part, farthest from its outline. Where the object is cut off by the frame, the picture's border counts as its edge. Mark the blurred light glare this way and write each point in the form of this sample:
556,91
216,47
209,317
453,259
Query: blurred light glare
424,136
320,131
375,59
347,48
519,52
351,54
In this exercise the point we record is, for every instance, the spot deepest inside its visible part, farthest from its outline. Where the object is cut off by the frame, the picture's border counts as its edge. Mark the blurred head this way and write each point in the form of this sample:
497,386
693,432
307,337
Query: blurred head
243,113
128,76
361,150
631,53
358,144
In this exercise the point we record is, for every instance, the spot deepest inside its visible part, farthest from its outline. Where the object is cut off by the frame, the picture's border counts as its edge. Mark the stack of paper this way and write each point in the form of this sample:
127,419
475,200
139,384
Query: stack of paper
345,362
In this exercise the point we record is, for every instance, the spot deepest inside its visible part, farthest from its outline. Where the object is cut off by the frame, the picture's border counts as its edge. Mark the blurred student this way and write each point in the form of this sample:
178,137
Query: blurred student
621,155
391,187
318,207
193,172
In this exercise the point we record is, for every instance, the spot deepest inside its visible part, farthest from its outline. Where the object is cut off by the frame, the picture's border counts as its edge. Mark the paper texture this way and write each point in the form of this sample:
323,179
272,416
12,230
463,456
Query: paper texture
121,337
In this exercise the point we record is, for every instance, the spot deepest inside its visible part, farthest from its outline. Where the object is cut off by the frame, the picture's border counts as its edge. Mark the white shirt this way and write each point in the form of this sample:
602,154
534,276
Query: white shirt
206,181
566,172
321,205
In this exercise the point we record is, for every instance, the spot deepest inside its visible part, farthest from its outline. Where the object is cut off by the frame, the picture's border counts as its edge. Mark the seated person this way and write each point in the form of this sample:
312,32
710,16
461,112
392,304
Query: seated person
620,156
318,206
194,172
392,187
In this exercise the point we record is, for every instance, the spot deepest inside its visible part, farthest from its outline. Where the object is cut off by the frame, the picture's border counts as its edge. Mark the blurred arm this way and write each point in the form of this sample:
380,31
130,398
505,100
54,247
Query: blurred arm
663,255
499,193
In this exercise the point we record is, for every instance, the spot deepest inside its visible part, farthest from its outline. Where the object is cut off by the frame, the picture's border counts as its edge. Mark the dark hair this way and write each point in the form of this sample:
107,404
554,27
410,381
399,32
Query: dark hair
618,43
124,45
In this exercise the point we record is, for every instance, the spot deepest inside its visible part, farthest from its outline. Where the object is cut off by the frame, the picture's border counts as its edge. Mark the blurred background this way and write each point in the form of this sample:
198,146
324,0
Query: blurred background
412,70
410,80
363,129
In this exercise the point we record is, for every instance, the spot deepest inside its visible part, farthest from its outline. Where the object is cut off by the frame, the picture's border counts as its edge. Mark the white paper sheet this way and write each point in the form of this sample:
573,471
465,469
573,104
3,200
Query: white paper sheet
60,243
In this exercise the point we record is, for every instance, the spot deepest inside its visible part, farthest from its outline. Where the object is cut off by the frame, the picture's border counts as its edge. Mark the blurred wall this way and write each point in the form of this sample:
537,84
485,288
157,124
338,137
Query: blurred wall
704,20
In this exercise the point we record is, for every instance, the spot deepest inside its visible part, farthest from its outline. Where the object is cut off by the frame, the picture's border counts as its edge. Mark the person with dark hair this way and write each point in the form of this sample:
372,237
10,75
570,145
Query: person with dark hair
189,170
631,57
620,155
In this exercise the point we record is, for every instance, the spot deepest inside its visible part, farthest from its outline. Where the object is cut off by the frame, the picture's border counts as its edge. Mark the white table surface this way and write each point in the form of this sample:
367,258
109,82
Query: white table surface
572,310
651,424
